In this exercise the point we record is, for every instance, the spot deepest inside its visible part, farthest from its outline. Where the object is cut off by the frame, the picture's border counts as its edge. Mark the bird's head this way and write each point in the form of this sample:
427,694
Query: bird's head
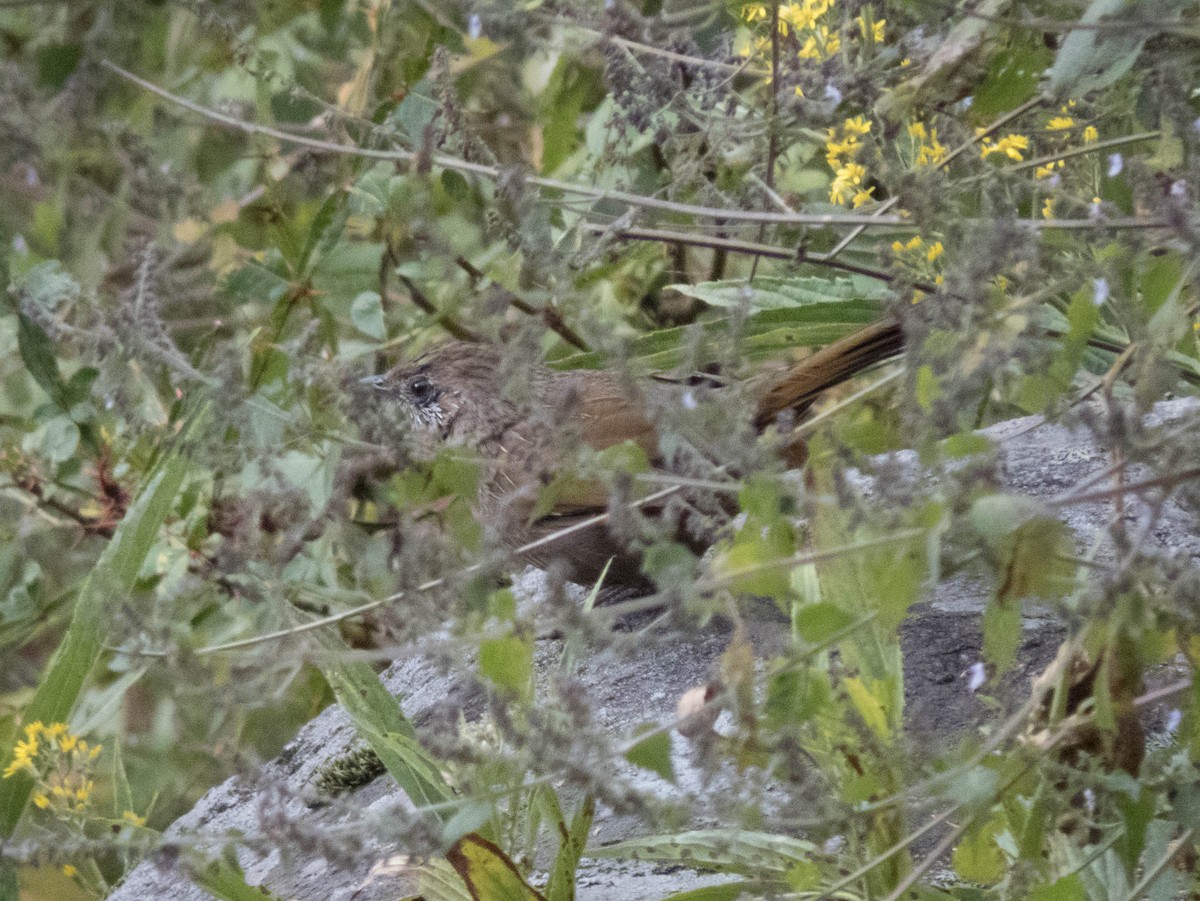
451,391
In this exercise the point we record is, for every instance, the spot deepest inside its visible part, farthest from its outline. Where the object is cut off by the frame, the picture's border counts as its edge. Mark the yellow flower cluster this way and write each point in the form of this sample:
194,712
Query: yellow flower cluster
920,258
1047,170
841,152
927,149
806,21
60,762
1011,146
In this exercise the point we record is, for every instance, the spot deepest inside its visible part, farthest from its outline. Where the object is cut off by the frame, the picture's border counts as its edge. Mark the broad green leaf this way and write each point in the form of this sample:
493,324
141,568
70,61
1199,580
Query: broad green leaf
978,858
766,333
817,623
653,752
224,879
508,662
1068,888
37,353
366,312
488,872
1012,77
769,293
725,850
1001,631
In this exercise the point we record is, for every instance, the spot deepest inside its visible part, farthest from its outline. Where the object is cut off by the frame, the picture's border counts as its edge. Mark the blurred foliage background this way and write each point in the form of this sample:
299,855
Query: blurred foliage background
214,216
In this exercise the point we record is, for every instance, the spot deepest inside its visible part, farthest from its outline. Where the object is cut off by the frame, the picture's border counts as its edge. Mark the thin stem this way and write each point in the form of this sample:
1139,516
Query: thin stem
830,220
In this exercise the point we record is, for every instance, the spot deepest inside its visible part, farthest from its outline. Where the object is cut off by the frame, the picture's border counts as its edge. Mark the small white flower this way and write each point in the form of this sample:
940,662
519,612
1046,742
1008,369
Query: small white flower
1099,291
832,93
20,245
474,27
1115,164
689,400
1174,718
833,844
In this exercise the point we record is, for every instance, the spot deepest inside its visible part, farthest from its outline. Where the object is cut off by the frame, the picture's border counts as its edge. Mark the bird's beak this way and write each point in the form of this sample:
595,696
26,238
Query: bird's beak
379,382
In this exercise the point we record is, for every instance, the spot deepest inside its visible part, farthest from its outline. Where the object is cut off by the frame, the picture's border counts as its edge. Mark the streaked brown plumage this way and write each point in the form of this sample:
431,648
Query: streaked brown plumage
456,392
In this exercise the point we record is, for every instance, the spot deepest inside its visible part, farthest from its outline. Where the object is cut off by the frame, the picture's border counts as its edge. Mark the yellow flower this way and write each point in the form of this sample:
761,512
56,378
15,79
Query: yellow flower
862,197
914,243
932,153
917,130
799,91
897,247
1048,208
1059,123
846,181
906,62
876,29
1091,135
856,126
754,12
130,817
69,870
1009,145
821,44
939,279
1047,170
41,800
935,250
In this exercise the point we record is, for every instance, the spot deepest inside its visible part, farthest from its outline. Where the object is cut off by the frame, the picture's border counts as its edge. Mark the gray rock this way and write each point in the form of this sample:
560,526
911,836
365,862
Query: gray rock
941,643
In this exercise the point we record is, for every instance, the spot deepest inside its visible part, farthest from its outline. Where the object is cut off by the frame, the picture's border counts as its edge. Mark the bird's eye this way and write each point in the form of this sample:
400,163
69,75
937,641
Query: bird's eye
421,389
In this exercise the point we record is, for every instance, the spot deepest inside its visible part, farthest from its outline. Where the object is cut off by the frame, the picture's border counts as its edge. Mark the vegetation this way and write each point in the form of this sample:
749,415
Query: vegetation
214,217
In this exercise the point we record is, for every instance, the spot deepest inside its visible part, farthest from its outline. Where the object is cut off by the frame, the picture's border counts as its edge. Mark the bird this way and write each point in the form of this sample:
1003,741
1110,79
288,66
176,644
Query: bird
456,395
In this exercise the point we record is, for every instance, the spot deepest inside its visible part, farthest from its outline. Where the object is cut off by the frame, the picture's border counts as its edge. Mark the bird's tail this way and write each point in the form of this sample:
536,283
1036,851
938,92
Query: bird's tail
802,383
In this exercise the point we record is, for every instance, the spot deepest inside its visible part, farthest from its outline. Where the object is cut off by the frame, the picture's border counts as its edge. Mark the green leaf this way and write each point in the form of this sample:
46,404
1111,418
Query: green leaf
56,62
978,858
653,752
37,353
1068,888
1001,632
508,662
1012,77
325,231
112,577
57,439
1090,59
366,313
573,839
730,891
770,293
383,725
489,873
819,622
224,879
725,850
